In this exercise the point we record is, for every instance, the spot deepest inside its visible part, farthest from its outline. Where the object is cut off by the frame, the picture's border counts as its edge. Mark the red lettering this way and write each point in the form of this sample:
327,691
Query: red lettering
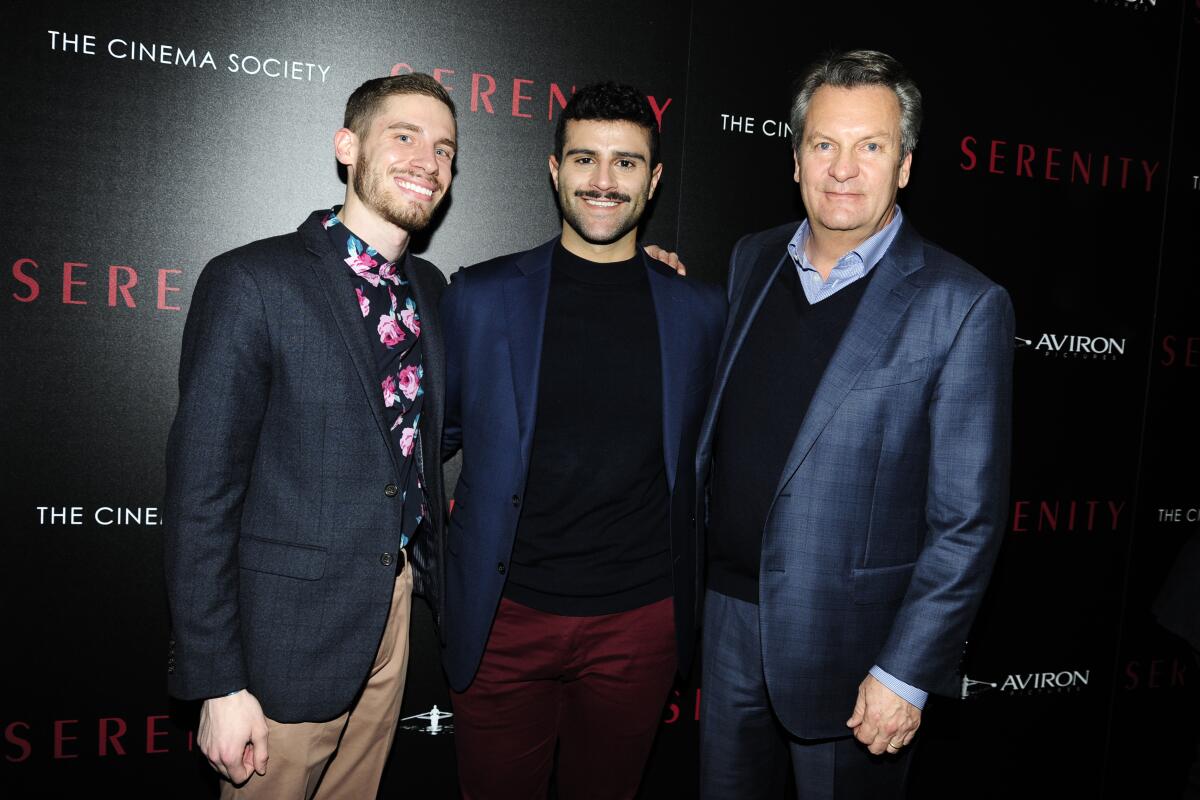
1149,173
163,289
114,739
968,165
1019,512
697,715
1051,164
152,733
1076,161
28,280
1131,674
437,76
996,157
1045,515
1169,358
398,68
478,96
1125,162
1178,673
114,285
60,737
1025,154
518,97
1104,172
658,110
1155,672
672,711
1193,349
23,747
556,95
68,282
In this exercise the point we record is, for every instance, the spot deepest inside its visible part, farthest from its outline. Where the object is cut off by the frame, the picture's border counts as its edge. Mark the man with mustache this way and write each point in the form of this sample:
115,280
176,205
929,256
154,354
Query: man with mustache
856,456
578,372
304,467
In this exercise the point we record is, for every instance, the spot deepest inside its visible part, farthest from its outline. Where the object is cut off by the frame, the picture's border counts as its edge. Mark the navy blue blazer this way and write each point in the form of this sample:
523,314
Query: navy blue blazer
493,315
891,506
280,530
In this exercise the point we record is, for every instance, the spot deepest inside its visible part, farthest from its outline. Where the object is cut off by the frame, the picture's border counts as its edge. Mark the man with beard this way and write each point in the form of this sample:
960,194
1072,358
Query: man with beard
578,373
304,467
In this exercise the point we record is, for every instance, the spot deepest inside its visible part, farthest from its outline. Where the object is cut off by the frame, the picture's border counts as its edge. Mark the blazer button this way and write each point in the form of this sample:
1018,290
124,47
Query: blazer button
500,568
386,559
390,490
516,501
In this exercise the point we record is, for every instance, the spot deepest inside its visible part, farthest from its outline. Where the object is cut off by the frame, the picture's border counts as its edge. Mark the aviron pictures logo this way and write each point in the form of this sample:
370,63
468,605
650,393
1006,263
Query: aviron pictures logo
1074,345
1067,680
431,722
1135,5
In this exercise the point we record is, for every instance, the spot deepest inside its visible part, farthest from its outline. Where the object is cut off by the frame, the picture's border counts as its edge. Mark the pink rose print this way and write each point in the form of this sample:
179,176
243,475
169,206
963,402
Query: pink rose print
409,381
411,321
363,303
389,331
388,272
406,441
393,297
389,391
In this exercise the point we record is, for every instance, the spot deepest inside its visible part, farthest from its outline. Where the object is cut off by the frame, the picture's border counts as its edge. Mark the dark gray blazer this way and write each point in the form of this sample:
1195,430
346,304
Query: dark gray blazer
890,508
280,527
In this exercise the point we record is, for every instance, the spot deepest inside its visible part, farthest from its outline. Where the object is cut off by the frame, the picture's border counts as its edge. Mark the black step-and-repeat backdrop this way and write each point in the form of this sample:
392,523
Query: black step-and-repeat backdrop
141,139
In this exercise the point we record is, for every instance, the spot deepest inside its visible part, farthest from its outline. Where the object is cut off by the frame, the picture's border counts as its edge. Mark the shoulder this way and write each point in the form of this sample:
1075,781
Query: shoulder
489,272
771,238
253,265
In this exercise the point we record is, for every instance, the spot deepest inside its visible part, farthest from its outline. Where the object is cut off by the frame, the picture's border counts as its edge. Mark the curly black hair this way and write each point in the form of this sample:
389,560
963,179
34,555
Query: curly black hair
613,102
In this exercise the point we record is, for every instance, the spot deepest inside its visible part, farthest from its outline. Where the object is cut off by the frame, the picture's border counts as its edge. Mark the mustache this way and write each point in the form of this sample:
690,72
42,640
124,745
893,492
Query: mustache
594,195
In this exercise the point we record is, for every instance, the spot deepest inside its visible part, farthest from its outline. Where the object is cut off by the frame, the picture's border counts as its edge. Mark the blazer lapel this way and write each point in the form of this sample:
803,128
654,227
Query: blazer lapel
331,274
526,292
673,349
883,303
743,310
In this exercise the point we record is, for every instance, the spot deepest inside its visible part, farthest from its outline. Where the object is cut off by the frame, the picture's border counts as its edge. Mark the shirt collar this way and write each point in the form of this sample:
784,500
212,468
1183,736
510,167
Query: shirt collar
362,259
858,261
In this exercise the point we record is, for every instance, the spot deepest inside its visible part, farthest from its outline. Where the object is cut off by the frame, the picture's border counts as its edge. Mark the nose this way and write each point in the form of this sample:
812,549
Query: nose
844,165
426,159
602,178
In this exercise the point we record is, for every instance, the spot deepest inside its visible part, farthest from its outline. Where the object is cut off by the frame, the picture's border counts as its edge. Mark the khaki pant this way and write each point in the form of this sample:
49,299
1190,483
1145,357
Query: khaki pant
344,757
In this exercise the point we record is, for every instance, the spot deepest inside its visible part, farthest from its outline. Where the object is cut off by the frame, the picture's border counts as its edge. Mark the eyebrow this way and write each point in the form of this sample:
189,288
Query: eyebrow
408,126
584,151
817,134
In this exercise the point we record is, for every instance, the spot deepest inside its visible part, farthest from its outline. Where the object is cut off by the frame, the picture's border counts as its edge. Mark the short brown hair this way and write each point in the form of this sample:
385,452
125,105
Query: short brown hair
364,103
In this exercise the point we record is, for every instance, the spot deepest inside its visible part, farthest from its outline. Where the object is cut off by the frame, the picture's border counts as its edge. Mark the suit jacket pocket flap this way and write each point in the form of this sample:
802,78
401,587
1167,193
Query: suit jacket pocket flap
904,372
881,584
282,558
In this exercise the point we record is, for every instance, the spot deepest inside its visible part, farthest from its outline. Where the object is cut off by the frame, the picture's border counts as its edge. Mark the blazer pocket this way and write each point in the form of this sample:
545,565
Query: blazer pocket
880,584
905,372
305,562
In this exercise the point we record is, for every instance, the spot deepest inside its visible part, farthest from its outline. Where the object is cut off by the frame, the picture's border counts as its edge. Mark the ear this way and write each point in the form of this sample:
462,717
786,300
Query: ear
554,171
796,161
905,169
654,176
345,146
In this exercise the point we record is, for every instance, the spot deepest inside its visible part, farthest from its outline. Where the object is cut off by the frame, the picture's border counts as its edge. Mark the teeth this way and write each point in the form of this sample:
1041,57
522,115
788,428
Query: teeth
601,203
416,188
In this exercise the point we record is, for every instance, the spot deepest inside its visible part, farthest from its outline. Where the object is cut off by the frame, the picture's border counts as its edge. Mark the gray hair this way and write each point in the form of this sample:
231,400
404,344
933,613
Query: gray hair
860,68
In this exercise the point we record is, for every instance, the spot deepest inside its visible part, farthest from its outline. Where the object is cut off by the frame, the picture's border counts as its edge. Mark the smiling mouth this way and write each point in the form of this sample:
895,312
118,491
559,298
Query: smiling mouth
597,200
415,187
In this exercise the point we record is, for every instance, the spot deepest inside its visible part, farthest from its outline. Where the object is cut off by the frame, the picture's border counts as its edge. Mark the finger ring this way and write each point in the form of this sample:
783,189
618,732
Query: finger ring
896,746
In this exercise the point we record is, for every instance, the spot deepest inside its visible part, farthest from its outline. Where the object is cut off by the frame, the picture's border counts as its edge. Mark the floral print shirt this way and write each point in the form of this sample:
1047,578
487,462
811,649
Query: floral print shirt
389,312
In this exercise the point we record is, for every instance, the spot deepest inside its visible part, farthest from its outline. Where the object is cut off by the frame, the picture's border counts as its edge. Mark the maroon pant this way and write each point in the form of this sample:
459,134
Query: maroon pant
594,687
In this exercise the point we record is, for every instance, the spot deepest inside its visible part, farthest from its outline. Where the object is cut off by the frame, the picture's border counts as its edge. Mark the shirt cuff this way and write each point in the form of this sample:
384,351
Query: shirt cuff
910,693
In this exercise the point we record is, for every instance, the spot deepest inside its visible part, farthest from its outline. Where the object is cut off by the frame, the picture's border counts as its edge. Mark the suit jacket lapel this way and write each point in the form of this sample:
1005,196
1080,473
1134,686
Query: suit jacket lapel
673,353
433,363
331,274
883,303
526,292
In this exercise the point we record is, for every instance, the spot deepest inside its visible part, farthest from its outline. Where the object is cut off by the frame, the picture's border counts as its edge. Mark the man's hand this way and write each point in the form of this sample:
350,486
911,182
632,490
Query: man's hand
233,735
883,720
670,259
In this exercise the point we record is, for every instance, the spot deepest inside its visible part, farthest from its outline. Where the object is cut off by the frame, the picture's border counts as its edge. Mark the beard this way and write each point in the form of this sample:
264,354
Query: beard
407,215
577,221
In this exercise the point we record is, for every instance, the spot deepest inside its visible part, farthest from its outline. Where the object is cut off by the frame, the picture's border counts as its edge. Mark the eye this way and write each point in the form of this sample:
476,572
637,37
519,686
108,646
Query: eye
444,153
824,146
872,147
584,160
404,137
625,163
